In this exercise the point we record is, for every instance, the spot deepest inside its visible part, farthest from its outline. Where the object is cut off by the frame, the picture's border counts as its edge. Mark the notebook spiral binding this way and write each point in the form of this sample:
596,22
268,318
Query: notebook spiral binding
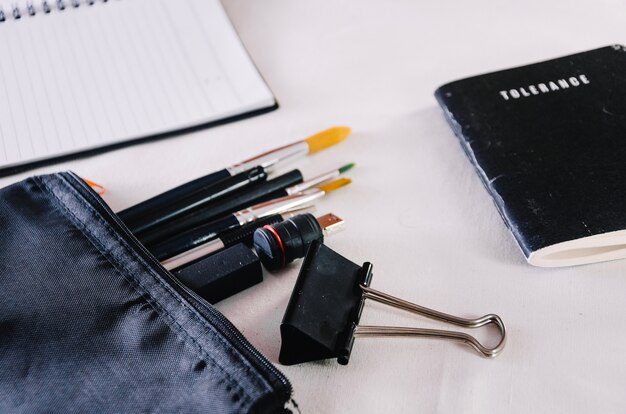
32,8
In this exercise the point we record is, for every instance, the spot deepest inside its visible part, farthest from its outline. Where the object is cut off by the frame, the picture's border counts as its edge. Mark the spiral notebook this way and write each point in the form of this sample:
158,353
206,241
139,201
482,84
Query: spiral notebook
79,77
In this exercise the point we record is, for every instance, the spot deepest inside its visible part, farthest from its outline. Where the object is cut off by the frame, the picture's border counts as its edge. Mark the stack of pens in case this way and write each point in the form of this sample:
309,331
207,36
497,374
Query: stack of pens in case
203,231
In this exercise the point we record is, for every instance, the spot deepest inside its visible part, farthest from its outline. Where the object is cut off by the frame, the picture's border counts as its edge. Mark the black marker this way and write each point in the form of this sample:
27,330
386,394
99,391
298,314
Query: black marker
282,243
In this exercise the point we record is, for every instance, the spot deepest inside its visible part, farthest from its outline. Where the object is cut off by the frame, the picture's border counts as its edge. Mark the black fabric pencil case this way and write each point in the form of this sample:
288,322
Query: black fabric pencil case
91,322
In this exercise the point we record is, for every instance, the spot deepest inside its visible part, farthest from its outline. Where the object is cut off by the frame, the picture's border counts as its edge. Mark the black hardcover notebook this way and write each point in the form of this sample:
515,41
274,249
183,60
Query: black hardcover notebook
81,77
548,141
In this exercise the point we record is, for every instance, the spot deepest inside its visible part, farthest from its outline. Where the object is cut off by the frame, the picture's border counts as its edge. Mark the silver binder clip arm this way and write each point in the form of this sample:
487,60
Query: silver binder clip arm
389,300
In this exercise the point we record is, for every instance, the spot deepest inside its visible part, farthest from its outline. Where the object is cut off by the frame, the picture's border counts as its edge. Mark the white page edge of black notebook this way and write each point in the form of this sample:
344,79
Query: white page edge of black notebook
593,249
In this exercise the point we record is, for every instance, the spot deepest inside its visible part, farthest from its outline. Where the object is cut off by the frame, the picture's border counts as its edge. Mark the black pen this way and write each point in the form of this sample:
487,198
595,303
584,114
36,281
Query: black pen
267,160
297,229
201,198
220,240
226,205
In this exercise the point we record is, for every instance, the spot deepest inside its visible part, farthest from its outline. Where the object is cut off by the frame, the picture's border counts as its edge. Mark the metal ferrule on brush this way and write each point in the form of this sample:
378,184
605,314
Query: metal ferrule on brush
313,182
278,206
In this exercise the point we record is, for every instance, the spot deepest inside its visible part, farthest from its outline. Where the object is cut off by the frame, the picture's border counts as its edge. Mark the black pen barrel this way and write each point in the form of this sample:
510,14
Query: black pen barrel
227,230
202,198
226,206
194,237
130,214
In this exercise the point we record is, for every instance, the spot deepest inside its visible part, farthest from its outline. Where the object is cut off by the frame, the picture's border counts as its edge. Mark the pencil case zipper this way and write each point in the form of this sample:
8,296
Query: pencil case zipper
212,315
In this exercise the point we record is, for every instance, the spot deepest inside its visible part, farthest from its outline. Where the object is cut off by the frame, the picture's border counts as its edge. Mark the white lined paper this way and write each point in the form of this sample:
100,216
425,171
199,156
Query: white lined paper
94,75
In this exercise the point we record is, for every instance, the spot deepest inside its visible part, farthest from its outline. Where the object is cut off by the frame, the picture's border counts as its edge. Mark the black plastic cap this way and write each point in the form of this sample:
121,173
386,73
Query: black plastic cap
221,275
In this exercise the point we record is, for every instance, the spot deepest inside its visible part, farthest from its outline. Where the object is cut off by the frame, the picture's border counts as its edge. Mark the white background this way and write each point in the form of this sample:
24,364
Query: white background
416,209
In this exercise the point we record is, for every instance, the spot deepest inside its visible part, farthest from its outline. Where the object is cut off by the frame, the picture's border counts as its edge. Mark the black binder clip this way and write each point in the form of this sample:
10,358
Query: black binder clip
322,317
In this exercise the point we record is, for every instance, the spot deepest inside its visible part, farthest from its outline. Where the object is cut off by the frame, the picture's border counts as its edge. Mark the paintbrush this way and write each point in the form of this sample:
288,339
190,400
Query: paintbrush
267,161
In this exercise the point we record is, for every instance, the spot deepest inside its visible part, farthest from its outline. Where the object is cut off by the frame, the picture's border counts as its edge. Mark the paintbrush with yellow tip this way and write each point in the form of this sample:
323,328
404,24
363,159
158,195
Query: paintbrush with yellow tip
290,202
310,145
268,161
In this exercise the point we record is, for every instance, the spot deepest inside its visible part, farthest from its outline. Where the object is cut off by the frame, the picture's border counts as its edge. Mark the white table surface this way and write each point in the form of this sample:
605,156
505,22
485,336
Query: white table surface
416,209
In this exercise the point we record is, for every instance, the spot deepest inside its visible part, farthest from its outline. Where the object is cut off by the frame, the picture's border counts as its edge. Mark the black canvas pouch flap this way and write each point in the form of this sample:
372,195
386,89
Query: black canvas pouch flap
90,321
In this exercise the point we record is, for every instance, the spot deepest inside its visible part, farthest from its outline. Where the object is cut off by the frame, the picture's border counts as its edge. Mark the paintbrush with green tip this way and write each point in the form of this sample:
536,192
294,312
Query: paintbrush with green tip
313,182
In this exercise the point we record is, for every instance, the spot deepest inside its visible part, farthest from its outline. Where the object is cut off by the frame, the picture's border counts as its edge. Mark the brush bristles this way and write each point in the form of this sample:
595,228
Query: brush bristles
327,138
346,167
334,185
